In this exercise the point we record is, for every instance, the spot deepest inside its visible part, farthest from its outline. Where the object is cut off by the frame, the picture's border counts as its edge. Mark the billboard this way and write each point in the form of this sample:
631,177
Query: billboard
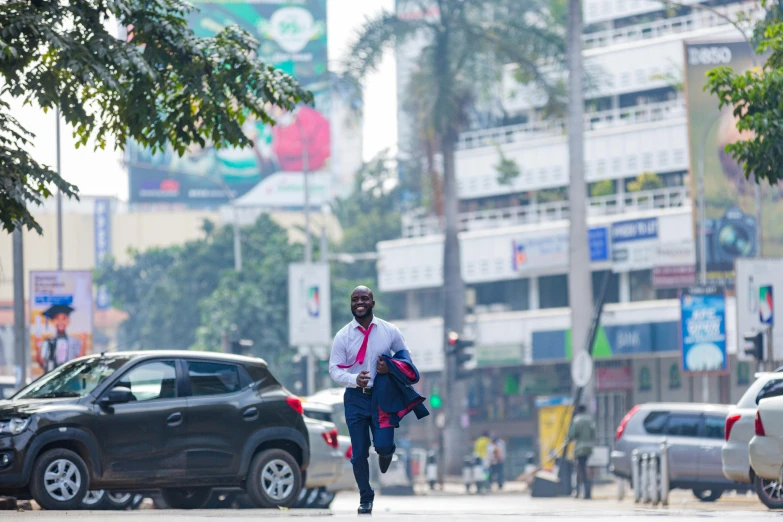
292,36
60,318
757,284
729,198
703,334
309,305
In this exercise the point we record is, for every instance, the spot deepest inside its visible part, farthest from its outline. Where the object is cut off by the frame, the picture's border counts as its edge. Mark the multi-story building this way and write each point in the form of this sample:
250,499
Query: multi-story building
514,236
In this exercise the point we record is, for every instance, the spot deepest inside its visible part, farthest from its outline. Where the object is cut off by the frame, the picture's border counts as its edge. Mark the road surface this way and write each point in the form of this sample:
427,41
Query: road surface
450,508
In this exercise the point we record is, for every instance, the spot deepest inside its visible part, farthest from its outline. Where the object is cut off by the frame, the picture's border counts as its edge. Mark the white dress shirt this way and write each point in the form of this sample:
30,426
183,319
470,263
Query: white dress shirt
385,339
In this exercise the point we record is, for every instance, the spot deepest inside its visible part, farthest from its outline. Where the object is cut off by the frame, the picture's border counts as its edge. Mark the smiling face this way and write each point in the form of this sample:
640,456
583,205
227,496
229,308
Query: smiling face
61,322
362,302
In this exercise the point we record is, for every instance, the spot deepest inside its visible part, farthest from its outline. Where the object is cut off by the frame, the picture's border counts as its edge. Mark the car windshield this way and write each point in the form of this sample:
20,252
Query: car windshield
74,379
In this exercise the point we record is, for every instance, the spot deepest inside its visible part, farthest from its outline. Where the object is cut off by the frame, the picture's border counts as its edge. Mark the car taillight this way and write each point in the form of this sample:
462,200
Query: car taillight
731,420
349,453
331,438
759,425
623,423
295,403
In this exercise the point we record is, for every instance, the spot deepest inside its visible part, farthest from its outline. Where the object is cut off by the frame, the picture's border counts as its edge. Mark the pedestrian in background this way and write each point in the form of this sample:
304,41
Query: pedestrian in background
582,434
497,461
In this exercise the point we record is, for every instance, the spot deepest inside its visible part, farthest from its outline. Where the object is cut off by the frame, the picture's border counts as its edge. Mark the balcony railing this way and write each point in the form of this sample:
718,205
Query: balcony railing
647,113
698,19
417,225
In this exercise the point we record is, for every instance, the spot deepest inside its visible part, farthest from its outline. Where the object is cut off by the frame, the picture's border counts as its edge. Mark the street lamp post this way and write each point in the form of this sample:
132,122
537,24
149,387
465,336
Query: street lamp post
59,198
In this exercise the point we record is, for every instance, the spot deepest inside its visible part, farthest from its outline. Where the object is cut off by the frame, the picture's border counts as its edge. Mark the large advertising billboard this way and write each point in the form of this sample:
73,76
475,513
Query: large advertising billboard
729,197
60,318
309,305
292,36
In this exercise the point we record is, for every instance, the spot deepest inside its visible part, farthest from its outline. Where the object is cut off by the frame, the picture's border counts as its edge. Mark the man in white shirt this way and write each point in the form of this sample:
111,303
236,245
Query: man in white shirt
355,361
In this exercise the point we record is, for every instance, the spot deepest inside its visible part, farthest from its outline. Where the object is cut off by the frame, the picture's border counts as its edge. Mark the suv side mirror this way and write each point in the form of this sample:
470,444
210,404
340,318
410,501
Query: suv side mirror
117,395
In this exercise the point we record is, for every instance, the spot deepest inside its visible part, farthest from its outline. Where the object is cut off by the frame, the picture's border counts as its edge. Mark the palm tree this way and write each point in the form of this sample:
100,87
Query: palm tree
464,39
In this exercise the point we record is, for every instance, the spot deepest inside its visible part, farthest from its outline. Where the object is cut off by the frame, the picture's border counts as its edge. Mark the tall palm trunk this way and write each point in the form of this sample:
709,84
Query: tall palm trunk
455,436
580,287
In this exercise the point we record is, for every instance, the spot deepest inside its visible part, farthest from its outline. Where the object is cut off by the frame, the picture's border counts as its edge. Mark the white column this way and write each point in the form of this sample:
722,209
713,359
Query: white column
625,286
533,297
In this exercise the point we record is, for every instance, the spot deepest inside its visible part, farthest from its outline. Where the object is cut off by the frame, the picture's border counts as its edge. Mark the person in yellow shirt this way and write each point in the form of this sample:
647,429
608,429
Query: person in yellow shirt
481,444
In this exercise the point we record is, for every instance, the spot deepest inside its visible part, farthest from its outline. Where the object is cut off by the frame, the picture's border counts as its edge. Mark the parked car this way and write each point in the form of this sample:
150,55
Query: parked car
740,428
181,422
326,460
695,434
333,398
766,446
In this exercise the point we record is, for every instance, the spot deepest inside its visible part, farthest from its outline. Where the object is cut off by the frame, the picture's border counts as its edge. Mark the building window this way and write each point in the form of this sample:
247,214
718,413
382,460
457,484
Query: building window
641,285
513,295
675,382
553,291
645,379
612,293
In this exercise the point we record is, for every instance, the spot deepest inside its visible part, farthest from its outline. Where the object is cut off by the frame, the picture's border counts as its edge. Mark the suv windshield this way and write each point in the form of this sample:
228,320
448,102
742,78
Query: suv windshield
74,379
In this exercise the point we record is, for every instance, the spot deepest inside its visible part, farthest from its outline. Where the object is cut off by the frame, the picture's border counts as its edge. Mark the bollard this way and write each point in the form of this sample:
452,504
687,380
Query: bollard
664,458
635,478
620,488
652,464
645,479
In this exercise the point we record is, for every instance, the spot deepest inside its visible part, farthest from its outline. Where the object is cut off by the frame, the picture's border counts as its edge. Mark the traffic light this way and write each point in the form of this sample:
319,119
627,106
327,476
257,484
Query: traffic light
462,352
435,400
754,345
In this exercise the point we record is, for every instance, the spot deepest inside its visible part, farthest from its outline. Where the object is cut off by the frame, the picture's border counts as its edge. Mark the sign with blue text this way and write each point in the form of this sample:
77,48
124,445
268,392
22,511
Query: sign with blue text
703,333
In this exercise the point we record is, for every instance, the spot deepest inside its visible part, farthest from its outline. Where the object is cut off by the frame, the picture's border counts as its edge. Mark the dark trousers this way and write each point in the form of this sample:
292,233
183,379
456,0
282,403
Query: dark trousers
358,416
582,478
496,474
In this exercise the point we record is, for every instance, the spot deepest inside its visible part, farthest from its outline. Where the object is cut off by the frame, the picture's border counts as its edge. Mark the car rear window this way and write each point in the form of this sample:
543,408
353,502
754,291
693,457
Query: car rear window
655,422
261,376
773,388
318,415
748,400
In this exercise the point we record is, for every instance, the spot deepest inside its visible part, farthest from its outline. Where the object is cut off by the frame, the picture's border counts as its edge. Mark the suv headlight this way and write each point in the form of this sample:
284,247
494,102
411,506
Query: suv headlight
14,425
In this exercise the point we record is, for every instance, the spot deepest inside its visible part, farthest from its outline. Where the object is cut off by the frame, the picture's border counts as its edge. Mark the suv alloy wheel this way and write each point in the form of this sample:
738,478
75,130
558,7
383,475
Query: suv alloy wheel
60,480
274,479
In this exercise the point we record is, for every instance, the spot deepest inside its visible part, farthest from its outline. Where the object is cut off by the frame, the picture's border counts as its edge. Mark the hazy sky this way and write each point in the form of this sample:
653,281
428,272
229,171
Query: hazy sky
102,173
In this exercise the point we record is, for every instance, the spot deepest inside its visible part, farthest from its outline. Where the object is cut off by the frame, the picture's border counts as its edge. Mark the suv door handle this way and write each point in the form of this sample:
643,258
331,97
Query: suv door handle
250,414
174,420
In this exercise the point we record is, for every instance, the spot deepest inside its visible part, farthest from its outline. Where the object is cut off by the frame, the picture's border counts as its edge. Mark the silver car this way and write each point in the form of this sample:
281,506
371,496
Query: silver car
740,428
695,435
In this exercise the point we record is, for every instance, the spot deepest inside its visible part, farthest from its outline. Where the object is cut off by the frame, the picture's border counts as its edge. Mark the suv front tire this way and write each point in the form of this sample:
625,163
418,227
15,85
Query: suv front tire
60,480
274,479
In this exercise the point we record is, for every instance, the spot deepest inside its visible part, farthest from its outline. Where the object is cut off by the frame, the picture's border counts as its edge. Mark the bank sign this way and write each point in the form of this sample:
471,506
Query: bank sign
703,334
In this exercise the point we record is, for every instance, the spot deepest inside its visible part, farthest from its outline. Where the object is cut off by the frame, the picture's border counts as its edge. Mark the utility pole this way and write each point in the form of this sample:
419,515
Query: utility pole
309,351
580,287
20,337
59,199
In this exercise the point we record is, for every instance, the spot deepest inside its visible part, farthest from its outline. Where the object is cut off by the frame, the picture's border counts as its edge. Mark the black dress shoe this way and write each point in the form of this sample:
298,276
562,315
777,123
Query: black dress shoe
365,508
384,463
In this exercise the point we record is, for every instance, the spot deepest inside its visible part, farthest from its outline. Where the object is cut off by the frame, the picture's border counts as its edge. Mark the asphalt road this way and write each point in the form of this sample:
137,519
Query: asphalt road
448,508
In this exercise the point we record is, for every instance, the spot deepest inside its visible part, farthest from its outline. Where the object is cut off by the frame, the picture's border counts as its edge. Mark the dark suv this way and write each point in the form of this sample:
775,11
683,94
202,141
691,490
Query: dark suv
181,422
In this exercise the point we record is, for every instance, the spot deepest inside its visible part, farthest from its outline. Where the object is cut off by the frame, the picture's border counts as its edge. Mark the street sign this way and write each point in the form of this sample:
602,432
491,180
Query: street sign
581,369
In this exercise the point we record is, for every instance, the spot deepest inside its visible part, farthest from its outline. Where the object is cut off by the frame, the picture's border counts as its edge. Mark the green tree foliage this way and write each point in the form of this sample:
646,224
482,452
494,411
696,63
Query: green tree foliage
187,296
602,188
645,181
163,86
756,98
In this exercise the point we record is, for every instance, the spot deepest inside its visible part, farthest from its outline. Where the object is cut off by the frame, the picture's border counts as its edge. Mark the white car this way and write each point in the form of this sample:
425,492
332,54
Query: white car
766,447
333,398
739,431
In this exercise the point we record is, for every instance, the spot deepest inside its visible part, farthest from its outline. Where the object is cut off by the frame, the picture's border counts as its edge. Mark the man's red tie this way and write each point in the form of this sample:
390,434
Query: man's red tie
362,349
